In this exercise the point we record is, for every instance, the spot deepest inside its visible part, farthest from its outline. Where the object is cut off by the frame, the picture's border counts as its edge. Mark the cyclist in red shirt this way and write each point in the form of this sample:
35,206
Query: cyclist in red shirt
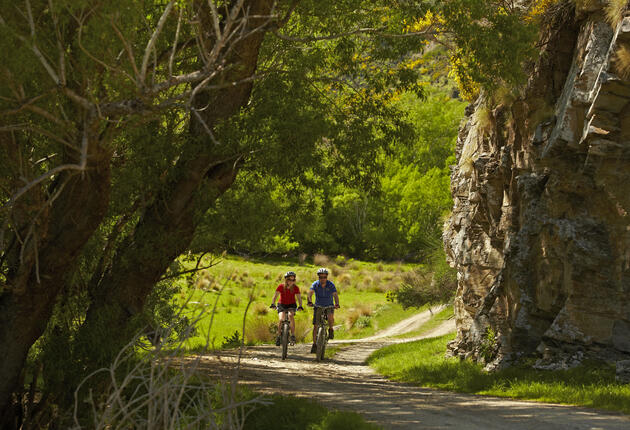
287,292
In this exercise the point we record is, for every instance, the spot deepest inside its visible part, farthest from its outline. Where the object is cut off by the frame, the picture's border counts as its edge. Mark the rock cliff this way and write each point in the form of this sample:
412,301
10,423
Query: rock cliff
540,229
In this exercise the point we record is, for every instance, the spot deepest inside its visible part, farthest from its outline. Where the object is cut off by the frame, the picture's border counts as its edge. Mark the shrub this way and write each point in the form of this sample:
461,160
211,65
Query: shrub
267,276
341,260
427,286
364,321
233,341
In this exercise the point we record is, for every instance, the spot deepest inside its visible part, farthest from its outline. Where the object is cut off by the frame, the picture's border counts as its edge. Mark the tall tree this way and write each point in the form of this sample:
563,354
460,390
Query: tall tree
123,122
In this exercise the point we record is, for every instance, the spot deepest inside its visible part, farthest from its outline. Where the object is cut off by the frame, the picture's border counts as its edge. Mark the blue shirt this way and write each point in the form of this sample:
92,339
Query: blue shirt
323,295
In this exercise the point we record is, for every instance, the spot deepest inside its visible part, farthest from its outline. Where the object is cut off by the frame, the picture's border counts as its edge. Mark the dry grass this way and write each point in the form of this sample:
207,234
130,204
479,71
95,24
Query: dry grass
203,284
267,276
260,329
336,270
260,309
158,390
357,312
614,10
344,279
233,301
321,260
622,61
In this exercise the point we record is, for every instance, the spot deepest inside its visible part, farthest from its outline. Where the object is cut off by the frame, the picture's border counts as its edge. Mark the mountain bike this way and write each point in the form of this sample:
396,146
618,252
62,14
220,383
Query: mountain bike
322,330
285,333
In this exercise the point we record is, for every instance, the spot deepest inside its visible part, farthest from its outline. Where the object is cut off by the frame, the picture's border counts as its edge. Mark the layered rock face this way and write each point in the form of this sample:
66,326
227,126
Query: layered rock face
540,230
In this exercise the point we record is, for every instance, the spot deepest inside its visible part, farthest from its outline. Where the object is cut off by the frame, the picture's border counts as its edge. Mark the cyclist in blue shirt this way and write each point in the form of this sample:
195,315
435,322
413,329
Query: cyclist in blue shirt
325,293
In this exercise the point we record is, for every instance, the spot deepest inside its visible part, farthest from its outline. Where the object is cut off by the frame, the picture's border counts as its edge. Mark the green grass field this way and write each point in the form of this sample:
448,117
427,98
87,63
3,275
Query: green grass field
236,284
423,363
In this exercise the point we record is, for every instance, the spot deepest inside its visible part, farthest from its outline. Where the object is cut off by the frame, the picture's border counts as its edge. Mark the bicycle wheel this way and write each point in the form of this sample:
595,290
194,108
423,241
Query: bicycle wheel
285,340
321,343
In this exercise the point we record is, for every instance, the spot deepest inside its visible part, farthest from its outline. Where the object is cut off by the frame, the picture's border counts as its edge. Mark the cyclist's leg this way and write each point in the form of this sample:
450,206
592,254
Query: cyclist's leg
314,325
292,319
280,318
331,323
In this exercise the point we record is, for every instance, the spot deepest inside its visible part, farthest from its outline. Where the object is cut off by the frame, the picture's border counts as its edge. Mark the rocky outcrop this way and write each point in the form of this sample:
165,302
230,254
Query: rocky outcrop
540,229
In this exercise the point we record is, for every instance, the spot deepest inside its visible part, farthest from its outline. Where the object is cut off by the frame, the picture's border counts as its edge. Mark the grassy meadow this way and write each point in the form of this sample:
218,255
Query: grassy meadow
236,284
423,363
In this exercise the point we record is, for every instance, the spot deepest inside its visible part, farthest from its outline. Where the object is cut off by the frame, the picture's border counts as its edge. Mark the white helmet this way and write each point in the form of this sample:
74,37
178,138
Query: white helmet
322,270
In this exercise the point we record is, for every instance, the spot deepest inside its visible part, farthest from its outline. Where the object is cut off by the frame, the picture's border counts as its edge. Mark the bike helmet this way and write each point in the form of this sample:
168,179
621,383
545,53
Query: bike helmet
322,270
289,273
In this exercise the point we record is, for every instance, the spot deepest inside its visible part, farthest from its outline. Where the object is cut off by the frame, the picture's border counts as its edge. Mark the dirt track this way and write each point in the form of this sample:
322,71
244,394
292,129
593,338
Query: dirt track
345,382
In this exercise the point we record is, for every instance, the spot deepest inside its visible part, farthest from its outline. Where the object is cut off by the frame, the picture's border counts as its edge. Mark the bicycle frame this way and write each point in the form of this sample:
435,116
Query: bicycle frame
285,333
322,331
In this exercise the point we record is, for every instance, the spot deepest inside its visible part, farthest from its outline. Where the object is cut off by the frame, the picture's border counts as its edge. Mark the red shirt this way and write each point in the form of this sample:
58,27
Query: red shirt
287,295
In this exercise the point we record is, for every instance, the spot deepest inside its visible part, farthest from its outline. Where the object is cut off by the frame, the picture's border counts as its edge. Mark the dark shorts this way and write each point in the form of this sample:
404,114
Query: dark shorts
330,311
282,308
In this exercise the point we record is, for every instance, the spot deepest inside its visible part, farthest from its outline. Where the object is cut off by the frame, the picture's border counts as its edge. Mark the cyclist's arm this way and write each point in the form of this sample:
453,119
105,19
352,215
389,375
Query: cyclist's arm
299,297
336,297
309,296
275,296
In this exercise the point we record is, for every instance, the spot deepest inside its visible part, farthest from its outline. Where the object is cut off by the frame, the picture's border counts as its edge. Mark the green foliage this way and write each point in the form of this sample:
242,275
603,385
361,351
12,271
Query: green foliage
493,40
423,363
288,413
400,216
488,346
233,341
430,285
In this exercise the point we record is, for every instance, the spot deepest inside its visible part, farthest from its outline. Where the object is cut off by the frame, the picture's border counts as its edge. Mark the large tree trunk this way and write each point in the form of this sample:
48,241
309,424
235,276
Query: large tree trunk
36,277
204,171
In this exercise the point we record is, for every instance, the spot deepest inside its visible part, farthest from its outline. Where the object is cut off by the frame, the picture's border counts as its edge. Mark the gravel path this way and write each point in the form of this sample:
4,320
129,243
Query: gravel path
345,382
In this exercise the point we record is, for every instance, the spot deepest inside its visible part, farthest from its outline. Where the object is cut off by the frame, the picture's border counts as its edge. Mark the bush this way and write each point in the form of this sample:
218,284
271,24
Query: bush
423,286
364,321
233,341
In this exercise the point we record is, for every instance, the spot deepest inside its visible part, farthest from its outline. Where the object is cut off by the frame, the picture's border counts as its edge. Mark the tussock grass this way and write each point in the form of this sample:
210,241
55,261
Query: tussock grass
423,363
357,312
261,330
233,301
344,279
260,309
622,61
615,9
321,260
